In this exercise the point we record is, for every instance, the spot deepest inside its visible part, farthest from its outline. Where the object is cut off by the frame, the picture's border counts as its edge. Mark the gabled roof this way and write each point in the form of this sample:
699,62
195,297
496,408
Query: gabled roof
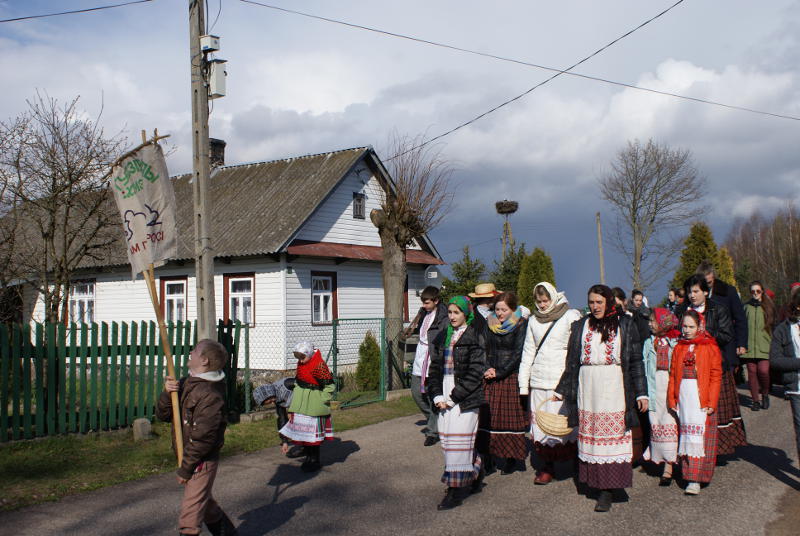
258,207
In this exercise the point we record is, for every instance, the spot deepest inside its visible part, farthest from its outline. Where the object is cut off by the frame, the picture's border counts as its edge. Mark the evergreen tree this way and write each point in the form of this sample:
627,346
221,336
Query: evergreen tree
467,273
724,266
368,371
536,267
506,272
698,246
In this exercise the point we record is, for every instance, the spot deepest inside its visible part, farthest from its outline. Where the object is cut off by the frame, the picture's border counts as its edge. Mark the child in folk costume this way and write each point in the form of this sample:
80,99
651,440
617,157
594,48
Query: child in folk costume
280,394
657,353
694,387
542,365
504,418
604,388
310,413
455,385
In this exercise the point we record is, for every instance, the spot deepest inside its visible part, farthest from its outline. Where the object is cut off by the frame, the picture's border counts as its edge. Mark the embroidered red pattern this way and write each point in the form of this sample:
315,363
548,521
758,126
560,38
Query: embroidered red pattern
587,347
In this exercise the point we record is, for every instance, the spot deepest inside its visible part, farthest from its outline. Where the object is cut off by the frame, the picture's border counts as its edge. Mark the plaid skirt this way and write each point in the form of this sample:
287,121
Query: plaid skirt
504,420
702,469
729,417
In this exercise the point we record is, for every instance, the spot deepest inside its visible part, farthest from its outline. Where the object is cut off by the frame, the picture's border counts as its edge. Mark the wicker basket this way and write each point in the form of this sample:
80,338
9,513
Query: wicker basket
551,424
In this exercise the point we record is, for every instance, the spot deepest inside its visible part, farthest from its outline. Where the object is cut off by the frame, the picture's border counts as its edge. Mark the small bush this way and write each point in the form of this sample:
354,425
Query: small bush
368,372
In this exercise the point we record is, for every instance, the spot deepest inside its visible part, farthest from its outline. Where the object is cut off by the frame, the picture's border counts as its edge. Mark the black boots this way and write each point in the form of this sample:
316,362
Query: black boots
223,527
452,498
477,484
311,463
604,501
765,401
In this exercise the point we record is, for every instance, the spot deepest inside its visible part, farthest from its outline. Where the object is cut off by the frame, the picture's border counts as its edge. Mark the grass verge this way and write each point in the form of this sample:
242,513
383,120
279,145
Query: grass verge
48,469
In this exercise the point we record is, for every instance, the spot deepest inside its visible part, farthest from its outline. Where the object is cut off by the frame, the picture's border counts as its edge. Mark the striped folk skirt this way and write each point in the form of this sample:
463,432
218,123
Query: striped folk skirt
457,431
504,420
307,430
663,428
729,417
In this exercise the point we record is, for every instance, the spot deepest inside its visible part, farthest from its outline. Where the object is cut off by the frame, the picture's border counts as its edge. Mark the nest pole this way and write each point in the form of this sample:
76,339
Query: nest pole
505,208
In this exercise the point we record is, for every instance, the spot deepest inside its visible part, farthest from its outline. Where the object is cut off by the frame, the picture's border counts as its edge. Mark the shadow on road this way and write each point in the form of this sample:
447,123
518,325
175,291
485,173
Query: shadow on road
773,461
269,516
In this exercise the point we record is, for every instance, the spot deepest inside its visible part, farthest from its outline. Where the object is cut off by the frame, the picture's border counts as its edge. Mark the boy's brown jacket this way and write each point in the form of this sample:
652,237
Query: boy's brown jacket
203,420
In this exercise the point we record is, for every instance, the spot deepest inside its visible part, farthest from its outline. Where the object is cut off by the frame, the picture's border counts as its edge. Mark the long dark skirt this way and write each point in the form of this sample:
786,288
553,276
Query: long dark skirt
605,475
504,420
729,417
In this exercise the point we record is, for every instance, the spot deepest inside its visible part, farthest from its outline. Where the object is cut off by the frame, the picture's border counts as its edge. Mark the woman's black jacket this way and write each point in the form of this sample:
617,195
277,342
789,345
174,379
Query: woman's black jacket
469,364
504,352
633,376
782,356
719,325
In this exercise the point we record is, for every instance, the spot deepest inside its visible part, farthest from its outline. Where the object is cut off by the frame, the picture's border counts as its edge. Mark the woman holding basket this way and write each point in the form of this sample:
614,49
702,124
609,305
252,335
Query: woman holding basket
543,359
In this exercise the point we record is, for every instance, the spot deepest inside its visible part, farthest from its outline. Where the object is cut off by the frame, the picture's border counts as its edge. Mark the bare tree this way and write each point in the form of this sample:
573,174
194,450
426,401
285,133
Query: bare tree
415,203
654,191
57,210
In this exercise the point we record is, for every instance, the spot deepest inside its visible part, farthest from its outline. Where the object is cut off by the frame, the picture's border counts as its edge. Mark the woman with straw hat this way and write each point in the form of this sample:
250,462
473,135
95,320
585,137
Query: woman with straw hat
543,359
455,384
604,384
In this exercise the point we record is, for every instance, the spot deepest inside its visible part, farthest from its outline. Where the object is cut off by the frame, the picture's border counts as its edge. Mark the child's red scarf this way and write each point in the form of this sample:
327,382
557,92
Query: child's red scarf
314,371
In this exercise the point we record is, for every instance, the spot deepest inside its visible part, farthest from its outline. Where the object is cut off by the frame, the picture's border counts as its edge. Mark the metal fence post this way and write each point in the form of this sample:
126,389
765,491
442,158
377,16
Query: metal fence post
335,350
383,359
247,368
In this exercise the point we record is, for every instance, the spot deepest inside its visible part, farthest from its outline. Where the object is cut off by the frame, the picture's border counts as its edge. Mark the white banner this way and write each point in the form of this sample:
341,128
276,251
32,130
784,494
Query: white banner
146,203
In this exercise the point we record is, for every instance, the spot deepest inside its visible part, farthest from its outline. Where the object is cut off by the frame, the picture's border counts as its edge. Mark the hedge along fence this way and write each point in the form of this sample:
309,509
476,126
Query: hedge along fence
57,379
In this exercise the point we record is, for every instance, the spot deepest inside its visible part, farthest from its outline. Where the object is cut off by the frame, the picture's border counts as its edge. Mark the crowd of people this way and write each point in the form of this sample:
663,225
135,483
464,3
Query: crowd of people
625,383
605,388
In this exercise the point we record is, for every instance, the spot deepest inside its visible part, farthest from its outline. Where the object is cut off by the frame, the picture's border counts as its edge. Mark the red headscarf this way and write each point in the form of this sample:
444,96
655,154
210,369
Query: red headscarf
667,323
314,371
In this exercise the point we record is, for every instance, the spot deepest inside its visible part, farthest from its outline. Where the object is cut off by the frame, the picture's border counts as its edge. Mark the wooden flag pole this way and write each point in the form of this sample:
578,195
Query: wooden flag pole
149,276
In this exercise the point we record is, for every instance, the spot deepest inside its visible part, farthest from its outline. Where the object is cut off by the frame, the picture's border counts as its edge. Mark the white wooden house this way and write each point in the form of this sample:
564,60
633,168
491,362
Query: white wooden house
295,249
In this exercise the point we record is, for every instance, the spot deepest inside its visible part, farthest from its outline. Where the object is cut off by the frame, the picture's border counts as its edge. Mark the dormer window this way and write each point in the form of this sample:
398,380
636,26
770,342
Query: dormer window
359,206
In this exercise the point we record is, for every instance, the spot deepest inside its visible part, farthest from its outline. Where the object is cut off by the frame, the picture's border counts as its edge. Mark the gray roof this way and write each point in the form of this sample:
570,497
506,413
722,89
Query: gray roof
256,208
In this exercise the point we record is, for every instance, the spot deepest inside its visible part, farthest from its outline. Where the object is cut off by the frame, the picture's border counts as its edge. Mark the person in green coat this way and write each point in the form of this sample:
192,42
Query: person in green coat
310,412
760,312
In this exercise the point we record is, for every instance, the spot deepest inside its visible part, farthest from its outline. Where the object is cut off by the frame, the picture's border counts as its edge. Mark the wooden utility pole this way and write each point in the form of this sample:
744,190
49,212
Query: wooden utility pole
203,253
600,249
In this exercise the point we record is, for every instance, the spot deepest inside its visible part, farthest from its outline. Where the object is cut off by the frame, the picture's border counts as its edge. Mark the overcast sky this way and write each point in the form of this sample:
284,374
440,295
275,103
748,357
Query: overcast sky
299,86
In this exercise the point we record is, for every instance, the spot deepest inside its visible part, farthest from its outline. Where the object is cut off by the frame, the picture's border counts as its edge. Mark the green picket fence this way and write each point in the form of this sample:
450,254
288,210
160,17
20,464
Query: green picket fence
76,378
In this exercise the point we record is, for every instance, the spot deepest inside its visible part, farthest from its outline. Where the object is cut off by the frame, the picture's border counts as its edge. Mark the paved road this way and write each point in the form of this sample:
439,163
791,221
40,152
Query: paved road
381,480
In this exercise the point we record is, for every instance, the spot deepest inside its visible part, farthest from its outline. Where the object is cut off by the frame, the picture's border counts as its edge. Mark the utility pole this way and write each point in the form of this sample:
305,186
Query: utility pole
600,249
203,253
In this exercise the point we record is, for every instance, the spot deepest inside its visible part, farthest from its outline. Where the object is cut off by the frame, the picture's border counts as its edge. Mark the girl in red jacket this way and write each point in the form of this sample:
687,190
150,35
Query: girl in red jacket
693,393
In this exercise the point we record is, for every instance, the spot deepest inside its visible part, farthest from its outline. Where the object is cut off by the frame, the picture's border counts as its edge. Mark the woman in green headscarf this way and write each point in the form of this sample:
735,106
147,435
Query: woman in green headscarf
455,385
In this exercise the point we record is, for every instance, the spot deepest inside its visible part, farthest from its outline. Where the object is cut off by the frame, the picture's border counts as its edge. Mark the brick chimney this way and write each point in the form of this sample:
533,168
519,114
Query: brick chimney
216,152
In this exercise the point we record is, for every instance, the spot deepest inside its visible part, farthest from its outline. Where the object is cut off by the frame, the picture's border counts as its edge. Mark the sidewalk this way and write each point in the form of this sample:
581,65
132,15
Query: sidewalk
381,480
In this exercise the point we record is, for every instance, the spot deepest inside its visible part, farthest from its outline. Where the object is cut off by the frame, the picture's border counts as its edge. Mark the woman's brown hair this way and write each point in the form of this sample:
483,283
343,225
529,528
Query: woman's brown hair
767,305
509,298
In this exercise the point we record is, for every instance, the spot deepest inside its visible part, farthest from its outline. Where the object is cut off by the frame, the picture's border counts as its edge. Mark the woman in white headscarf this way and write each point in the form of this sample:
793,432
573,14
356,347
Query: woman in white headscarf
543,360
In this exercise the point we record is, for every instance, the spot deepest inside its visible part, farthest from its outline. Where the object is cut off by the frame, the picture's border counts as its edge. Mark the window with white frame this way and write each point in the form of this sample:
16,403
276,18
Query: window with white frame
322,299
81,302
175,300
240,299
359,206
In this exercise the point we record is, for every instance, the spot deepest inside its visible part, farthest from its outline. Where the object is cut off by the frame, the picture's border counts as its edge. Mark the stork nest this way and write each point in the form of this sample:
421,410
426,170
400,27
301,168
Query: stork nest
506,207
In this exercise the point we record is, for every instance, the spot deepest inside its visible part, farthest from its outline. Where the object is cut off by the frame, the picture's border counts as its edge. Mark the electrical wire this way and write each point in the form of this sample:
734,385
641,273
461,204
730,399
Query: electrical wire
98,8
557,71
219,10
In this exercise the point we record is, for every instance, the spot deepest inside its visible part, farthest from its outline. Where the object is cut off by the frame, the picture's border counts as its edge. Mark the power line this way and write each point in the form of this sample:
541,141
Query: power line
529,64
98,8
